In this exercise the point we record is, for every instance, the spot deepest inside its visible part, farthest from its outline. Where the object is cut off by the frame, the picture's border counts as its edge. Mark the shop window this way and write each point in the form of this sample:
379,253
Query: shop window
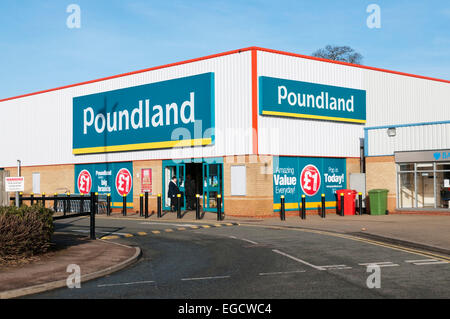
407,193
423,185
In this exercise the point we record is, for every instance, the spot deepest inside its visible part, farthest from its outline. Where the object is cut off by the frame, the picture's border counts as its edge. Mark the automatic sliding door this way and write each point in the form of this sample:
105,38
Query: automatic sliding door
212,185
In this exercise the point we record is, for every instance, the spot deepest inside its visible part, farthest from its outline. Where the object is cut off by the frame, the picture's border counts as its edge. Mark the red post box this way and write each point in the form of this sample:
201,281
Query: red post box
349,200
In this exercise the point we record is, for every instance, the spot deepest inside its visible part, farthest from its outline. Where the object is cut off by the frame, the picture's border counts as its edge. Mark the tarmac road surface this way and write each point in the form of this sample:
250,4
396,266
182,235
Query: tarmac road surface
204,260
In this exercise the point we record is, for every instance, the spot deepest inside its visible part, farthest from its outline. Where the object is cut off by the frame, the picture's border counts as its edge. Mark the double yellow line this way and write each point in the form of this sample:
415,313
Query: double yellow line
360,239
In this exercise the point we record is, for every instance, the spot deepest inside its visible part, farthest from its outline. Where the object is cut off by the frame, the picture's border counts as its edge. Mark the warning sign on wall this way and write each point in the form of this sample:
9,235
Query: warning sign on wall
15,184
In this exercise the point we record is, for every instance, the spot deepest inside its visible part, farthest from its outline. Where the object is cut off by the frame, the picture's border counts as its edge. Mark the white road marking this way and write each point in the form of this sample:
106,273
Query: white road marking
172,224
244,239
249,241
298,260
205,278
420,260
127,283
336,267
280,272
427,262
381,264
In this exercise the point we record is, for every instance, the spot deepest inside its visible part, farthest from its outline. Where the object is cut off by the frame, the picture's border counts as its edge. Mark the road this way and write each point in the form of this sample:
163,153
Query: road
200,260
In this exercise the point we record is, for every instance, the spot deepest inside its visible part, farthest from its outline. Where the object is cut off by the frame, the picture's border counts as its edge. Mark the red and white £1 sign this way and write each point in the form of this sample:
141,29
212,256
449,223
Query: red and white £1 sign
124,182
310,180
84,182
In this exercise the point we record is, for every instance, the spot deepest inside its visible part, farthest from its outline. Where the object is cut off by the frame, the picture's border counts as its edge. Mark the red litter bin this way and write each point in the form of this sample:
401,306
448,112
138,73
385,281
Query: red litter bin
349,200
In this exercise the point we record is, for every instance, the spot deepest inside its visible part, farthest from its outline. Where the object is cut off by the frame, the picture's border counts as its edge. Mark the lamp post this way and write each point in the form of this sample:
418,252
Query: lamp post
18,175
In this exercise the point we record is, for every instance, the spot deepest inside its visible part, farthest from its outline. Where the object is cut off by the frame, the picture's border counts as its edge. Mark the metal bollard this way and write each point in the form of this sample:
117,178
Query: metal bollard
55,202
32,199
124,203
219,206
68,202
178,206
282,210
303,207
342,204
108,204
82,203
43,200
159,208
94,199
141,205
323,207
197,206
146,204
360,208
20,199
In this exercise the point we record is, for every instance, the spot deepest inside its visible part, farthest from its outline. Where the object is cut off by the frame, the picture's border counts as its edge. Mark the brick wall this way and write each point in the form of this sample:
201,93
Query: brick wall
381,173
259,187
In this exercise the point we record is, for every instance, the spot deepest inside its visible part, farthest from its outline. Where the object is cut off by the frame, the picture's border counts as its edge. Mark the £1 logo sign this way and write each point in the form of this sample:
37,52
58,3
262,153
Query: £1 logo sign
124,182
310,180
84,182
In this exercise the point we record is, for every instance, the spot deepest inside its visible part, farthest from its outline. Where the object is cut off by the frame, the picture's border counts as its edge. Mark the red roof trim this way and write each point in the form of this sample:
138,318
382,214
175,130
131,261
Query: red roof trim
224,54
352,65
131,73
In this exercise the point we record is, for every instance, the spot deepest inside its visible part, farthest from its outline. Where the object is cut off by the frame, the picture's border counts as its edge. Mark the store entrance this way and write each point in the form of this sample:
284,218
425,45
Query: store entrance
194,176
193,184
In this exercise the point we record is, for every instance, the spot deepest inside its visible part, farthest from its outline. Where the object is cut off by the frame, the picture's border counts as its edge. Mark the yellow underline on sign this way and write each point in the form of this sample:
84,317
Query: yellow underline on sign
308,205
143,146
316,117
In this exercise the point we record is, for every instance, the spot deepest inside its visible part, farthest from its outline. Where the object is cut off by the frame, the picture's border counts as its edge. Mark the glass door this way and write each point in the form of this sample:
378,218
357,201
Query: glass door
170,170
212,186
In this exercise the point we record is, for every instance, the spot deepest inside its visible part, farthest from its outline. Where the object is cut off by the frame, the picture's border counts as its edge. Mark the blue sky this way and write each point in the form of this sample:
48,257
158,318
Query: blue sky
38,51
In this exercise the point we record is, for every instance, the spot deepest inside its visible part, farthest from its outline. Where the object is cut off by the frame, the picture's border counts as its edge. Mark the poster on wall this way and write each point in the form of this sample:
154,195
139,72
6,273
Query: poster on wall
146,180
106,178
309,176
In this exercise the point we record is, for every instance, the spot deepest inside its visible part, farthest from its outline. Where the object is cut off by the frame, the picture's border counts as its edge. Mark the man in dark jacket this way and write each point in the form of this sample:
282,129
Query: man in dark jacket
173,191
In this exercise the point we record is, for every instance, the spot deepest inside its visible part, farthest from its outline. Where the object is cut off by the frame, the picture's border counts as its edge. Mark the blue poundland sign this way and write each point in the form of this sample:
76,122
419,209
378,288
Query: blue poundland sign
280,97
174,113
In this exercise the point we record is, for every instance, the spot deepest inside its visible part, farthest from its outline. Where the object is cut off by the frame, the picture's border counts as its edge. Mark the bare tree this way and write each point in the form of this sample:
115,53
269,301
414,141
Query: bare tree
339,53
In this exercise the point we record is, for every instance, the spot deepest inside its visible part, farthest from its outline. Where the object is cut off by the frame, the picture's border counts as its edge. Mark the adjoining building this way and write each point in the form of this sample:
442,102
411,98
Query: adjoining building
251,124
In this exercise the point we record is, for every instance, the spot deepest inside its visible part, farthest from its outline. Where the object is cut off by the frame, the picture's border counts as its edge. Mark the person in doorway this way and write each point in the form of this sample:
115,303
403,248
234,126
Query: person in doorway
190,192
173,192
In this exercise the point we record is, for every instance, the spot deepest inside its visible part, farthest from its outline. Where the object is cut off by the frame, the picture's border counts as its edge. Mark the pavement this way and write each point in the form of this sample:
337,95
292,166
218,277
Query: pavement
427,232
95,259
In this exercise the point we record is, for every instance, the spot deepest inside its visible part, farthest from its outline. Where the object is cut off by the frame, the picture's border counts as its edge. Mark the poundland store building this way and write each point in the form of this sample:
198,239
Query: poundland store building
250,124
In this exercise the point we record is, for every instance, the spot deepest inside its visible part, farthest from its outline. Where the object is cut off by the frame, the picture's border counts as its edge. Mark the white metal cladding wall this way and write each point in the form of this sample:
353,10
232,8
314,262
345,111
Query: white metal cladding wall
408,138
38,129
287,136
396,99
